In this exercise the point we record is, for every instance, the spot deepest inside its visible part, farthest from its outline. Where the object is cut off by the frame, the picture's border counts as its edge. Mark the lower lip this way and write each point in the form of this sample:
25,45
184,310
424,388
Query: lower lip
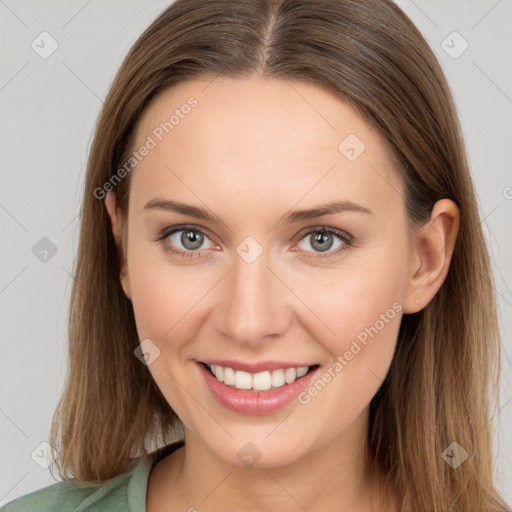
255,402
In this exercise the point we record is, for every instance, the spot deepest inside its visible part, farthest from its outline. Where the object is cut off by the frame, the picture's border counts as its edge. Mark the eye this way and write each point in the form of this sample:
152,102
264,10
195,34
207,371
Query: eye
323,240
184,240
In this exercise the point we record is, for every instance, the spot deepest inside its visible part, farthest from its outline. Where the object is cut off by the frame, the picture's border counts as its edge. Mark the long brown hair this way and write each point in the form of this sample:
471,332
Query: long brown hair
371,55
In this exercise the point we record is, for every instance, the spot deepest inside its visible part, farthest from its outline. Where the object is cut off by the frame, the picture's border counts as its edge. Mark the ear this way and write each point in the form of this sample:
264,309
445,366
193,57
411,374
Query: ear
118,231
433,248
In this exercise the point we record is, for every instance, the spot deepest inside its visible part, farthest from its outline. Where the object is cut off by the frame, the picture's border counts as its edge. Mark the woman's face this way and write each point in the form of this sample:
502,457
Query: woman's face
254,286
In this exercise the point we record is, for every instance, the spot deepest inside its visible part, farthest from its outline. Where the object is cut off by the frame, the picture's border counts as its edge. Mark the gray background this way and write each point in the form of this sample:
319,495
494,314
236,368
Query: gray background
48,110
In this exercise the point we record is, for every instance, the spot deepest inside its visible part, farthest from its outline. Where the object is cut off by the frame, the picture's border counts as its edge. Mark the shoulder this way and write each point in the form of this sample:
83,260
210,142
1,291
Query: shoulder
124,492
65,495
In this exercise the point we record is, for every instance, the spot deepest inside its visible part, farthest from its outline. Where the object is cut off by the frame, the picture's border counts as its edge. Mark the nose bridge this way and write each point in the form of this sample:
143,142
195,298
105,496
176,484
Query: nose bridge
253,302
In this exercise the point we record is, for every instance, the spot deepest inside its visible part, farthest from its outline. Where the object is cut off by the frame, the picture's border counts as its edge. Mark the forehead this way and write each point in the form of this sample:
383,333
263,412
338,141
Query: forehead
291,112
257,137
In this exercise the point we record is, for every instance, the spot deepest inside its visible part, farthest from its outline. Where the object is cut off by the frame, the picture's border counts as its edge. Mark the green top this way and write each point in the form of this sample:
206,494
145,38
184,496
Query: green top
125,492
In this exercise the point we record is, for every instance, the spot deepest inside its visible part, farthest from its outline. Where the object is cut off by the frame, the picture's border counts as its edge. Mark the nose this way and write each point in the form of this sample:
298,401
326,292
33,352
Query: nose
253,307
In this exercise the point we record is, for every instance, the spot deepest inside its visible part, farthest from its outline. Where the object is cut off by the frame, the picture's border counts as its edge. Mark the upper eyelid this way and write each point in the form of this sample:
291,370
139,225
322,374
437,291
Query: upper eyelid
173,229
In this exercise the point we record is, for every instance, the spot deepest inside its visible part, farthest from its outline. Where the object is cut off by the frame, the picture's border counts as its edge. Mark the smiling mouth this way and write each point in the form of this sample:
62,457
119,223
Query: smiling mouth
260,381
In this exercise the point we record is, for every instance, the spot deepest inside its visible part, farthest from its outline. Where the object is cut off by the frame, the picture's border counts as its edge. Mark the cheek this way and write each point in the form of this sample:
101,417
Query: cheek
369,308
166,298
358,310
358,300
366,320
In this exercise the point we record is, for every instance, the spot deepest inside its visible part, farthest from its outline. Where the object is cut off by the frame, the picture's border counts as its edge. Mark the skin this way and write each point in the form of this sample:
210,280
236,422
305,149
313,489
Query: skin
252,150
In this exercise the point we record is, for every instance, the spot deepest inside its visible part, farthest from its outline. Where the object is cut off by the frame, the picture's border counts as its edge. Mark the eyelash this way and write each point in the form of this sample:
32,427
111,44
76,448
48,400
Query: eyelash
345,238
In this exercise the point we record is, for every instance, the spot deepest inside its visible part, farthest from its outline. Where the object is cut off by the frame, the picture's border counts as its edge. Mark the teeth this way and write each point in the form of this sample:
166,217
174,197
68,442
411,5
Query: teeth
219,373
261,381
229,376
278,378
301,371
290,375
243,380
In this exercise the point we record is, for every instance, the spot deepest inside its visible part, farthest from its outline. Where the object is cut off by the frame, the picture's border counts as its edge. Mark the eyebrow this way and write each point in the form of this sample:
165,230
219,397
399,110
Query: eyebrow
289,218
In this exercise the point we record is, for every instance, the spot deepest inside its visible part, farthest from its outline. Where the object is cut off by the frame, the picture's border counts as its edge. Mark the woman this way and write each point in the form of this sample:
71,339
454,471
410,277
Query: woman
280,253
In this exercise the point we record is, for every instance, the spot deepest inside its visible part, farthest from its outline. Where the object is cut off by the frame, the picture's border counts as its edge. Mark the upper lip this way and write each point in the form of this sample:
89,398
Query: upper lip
254,367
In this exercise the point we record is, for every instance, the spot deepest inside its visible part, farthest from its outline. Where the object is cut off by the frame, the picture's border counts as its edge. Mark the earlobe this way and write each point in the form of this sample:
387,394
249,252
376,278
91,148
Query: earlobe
125,283
117,230
433,249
